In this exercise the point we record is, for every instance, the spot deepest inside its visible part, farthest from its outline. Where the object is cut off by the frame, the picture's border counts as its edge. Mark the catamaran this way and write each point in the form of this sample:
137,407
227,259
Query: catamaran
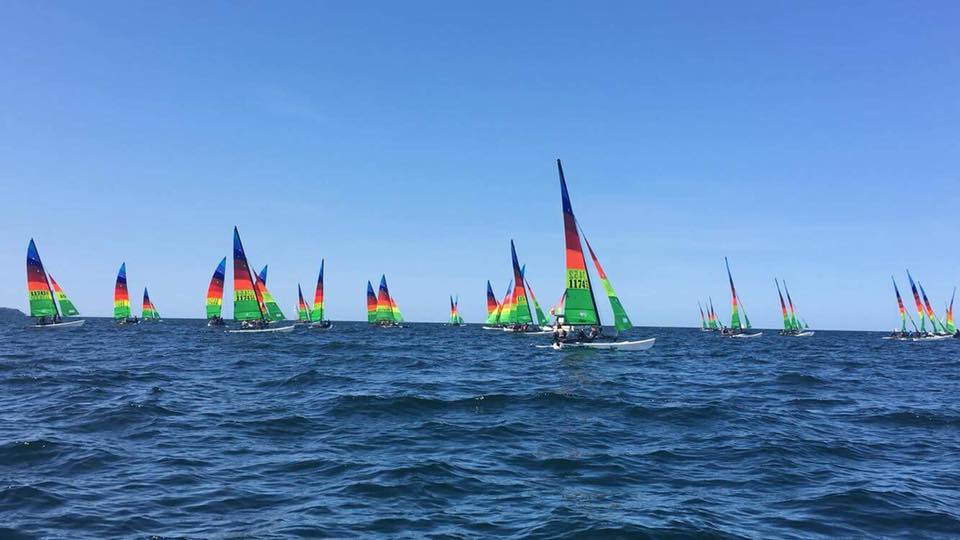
738,328
501,316
521,316
542,320
316,312
387,313
41,295
580,325
792,326
455,318
121,299
935,333
951,327
303,310
215,295
248,305
149,312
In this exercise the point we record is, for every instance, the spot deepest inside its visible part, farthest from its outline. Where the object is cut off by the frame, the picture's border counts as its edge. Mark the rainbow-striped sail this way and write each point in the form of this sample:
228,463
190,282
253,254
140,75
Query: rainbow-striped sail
67,309
273,308
121,298
505,312
247,301
797,324
903,310
950,327
521,308
150,312
735,323
621,320
371,304
215,291
542,319
919,304
580,306
316,314
303,311
703,318
455,318
788,325
714,321
39,293
492,305
934,321
387,312
397,316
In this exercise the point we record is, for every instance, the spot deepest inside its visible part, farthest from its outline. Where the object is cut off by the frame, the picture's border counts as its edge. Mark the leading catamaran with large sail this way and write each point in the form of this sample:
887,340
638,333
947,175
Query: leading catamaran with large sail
43,293
739,328
455,318
579,325
248,305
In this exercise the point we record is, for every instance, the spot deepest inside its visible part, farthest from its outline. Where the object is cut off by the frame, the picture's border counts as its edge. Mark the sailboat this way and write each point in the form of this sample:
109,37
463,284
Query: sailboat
703,318
121,299
248,305
492,307
149,312
580,305
455,318
274,313
922,333
41,296
738,328
316,313
387,313
521,315
792,326
215,295
371,304
901,333
939,329
303,310
501,317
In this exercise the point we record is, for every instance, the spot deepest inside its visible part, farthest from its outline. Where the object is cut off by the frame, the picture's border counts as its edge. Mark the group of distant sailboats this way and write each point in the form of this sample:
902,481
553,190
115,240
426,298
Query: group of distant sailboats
938,329
740,326
122,313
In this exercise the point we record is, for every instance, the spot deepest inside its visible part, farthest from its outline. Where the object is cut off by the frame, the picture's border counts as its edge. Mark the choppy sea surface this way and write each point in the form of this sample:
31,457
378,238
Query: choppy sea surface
174,430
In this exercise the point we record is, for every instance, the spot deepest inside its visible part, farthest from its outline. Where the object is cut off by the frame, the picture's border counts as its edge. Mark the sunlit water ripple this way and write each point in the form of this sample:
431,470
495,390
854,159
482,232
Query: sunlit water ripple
175,430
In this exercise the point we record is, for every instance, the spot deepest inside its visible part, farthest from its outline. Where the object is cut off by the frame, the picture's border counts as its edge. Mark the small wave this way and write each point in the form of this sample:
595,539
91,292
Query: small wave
29,497
33,451
799,379
915,419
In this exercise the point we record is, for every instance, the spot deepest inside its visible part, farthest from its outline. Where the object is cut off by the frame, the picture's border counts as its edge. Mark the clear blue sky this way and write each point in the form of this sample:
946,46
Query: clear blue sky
813,141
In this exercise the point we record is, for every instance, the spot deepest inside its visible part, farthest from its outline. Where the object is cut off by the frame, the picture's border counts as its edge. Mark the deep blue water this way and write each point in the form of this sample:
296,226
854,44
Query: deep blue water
177,431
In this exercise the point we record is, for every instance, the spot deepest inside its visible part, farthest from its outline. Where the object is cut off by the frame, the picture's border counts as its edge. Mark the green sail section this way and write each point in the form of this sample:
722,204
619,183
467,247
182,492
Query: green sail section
67,309
500,315
621,320
542,319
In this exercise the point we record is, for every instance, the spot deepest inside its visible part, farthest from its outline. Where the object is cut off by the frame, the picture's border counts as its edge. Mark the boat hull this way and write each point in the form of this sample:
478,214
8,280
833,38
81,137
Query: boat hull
638,345
62,325
745,335
321,325
275,329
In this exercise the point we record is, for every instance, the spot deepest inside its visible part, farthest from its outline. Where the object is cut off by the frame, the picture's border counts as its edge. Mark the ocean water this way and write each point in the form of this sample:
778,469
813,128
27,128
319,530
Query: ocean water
173,430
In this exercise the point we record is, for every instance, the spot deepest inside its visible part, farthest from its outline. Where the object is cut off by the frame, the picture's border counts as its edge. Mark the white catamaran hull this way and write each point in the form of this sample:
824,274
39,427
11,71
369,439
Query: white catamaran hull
63,325
639,345
261,330
532,332
322,325
745,336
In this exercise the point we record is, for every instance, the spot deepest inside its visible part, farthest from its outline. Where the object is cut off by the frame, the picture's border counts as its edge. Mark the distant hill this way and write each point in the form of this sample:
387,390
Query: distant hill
10,314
